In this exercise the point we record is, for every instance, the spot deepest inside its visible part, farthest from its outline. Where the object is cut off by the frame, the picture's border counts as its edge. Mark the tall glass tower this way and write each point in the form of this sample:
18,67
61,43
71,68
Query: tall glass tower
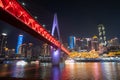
72,42
20,41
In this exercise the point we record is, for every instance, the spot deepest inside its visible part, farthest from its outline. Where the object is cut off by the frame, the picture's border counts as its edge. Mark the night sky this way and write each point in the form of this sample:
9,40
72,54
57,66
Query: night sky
76,17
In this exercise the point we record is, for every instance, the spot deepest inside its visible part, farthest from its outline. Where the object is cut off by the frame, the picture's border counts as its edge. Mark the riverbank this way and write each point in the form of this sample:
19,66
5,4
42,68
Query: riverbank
97,60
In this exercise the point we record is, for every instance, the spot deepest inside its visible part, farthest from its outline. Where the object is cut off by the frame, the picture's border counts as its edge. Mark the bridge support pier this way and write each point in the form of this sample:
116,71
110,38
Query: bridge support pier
55,57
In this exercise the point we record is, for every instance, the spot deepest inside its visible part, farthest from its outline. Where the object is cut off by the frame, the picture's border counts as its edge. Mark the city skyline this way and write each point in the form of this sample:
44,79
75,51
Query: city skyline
31,48
74,18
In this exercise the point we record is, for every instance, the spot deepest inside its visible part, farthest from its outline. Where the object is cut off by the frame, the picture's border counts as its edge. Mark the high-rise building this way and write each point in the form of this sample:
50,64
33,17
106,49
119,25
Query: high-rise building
72,42
3,42
89,44
46,49
95,43
20,41
102,34
78,44
83,44
113,42
29,50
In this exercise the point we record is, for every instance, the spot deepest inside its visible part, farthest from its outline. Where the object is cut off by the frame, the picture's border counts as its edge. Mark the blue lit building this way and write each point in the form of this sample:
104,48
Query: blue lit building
20,41
71,42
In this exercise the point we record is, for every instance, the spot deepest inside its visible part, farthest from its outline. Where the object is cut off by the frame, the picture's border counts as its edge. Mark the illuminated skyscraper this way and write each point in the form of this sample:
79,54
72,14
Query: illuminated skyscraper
72,42
3,42
102,34
20,41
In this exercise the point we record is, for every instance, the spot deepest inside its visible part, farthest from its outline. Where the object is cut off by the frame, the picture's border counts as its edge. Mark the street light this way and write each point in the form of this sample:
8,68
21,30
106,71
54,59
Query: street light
4,34
44,25
35,17
23,4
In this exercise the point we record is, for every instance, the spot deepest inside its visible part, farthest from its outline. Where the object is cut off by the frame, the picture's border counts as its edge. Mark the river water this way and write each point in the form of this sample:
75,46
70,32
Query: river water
69,71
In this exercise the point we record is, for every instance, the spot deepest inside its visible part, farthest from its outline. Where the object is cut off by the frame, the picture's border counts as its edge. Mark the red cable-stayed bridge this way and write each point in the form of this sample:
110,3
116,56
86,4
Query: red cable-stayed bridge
13,13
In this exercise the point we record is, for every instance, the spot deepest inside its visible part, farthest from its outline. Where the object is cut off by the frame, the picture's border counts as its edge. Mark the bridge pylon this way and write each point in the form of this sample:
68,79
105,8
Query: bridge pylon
55,52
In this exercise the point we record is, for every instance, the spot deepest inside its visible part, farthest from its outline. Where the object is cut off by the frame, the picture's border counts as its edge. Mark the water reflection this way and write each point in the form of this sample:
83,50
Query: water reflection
91,71
55,73
76,71
111,70
18,71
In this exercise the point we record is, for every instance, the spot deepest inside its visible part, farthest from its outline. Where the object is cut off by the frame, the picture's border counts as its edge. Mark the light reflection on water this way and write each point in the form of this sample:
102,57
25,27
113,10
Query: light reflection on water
76,71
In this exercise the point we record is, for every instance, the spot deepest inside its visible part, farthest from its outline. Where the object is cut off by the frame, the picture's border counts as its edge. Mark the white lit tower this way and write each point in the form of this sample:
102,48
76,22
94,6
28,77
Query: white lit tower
102,34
